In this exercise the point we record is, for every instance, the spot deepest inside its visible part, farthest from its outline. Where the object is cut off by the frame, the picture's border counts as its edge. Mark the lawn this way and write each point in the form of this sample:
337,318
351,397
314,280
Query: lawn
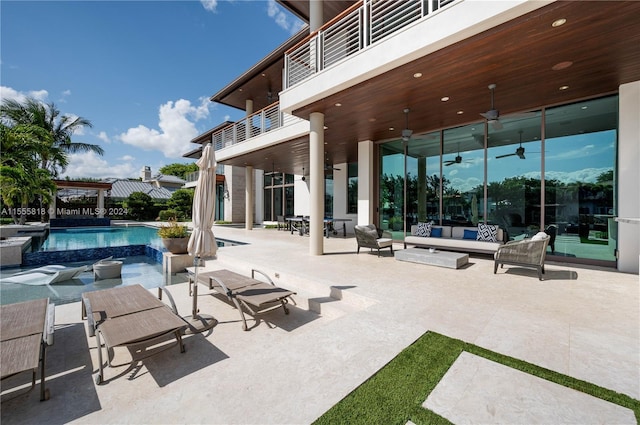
394,395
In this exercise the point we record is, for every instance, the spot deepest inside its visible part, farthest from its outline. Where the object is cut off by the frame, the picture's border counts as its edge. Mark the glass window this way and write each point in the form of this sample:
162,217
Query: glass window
462,173
513,174
423,179
328,195
580,183
352,188
391,186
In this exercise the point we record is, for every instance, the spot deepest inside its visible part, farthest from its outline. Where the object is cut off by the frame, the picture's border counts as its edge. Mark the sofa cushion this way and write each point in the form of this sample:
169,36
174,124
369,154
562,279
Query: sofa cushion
487,232
470,234
436,232
423,229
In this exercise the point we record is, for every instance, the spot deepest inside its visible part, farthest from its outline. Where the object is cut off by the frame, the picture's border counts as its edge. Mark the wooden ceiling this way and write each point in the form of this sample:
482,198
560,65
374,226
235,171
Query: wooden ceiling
600,39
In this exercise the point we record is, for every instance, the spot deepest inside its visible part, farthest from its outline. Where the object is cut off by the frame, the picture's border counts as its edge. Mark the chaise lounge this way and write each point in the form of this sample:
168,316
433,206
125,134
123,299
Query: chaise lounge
247,292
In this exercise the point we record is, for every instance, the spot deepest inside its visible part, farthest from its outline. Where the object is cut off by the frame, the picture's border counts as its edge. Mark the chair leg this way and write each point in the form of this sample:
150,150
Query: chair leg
495,267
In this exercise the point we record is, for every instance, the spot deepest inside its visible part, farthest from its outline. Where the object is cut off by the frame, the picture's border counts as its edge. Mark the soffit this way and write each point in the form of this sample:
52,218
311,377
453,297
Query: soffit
601,39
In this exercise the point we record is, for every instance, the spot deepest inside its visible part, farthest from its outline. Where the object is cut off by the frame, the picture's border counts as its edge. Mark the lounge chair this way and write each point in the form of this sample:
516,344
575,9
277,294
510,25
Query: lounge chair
247,292
130,316
369,236
523,253
26,329
47,275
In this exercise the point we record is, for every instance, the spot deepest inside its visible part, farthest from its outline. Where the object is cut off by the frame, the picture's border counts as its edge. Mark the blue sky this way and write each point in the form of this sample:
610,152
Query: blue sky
141,71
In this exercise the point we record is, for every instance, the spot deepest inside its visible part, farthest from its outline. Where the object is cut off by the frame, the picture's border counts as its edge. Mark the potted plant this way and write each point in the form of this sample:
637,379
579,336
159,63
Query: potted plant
175,237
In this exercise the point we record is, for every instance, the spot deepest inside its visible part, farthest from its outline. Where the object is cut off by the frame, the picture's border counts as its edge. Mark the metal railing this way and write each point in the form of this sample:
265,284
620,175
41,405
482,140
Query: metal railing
258,123
358,27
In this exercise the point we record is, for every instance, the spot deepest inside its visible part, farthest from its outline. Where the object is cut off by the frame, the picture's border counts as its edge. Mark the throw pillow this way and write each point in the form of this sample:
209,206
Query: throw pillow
436,232
487,232
539,236
470,234
424,230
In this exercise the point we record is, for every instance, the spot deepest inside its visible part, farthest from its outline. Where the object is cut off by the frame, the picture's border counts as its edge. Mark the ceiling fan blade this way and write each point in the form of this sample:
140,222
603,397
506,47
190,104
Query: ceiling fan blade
504,156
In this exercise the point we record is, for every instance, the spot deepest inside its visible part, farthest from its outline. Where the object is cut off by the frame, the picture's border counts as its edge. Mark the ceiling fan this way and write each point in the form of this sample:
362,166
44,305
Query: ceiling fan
519,151
457,160
492,115
406,133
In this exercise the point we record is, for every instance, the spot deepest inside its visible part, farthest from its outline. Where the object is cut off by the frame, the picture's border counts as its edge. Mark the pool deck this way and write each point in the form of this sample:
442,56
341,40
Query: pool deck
354,314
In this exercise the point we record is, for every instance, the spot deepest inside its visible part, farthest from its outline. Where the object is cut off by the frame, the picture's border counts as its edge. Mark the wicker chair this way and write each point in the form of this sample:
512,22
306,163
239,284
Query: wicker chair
368,236
523,253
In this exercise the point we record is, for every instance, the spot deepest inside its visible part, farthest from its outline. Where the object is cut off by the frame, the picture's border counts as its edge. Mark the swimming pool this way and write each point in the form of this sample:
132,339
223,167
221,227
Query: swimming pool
100,237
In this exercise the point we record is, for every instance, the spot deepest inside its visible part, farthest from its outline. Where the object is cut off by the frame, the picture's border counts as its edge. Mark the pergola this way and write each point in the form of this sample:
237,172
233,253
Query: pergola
100,187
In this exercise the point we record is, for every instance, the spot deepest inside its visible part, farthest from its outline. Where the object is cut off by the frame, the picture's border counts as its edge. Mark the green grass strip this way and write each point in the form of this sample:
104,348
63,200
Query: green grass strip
394,395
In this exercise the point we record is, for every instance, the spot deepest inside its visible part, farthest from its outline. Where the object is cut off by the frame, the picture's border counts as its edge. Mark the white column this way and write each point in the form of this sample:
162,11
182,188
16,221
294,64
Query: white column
316,18
248,196
248,106
316,183
628,177
52,204
100,203
366,208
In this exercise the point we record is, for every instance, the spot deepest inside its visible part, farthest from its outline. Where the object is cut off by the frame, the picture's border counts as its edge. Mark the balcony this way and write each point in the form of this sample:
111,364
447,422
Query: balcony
256,124
365,24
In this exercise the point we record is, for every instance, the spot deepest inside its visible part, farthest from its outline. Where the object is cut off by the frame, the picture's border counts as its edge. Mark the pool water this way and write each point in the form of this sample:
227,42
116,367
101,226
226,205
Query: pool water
100,237
141,270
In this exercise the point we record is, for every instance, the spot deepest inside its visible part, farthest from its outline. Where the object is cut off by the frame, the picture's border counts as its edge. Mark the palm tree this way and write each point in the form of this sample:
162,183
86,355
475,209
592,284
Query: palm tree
56,148
21,180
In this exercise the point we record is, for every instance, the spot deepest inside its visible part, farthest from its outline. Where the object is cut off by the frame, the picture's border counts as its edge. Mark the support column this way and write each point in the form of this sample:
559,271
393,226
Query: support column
316,18
628,242
366,208
100,203
248,196
248,106
52,205
316,183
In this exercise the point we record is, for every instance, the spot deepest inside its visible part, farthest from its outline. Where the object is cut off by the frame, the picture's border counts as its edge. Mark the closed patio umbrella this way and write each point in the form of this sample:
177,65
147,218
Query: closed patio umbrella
202,242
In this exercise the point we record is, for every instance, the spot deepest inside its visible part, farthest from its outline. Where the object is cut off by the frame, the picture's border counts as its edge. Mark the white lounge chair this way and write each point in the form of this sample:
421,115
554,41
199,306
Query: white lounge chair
46,275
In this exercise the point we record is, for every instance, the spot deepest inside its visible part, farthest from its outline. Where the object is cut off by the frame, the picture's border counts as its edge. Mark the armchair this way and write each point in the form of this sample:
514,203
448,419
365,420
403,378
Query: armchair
523,253
368,236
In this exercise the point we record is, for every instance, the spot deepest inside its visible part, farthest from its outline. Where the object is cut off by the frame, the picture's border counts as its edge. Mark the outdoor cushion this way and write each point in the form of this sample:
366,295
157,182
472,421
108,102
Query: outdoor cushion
487,232
436,232
470,234
423,229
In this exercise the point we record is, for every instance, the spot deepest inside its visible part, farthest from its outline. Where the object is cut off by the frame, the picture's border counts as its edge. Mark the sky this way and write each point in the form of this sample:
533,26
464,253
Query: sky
141,71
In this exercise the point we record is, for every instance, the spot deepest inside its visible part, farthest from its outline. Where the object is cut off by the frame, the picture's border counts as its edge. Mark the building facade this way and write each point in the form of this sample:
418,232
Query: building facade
519,113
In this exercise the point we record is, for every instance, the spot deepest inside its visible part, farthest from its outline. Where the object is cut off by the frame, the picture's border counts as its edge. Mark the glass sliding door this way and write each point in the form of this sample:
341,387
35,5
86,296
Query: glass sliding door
580,154
391,207
423,179
462,174
514,162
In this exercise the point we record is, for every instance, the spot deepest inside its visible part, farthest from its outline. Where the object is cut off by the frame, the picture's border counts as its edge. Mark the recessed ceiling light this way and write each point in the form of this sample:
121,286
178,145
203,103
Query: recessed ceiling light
460,112
444,99
391,128
562,65
263,74
417,75
558,22
338,104
372,120
240,89
563,87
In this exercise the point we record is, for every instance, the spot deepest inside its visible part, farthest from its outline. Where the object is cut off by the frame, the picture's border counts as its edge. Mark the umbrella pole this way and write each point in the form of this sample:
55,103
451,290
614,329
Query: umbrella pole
198,322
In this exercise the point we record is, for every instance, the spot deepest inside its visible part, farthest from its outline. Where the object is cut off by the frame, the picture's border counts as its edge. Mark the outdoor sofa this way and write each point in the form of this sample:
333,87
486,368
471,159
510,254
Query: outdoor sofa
483,239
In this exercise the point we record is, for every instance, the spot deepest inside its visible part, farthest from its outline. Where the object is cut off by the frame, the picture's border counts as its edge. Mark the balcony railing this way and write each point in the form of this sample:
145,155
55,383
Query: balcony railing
253,125
357,28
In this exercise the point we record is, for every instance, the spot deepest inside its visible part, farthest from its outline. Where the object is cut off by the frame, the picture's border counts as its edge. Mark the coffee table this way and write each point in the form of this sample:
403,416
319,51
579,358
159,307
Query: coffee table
449,259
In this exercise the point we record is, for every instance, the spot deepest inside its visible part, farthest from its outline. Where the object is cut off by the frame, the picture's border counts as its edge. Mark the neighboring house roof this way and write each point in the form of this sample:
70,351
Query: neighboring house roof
124,188
162,178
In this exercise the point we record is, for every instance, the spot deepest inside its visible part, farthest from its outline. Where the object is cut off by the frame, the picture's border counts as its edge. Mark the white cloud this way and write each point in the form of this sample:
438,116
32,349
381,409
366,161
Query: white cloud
127,158
9,93
89,164
103,136
177,128
210,5
282,19
586,175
